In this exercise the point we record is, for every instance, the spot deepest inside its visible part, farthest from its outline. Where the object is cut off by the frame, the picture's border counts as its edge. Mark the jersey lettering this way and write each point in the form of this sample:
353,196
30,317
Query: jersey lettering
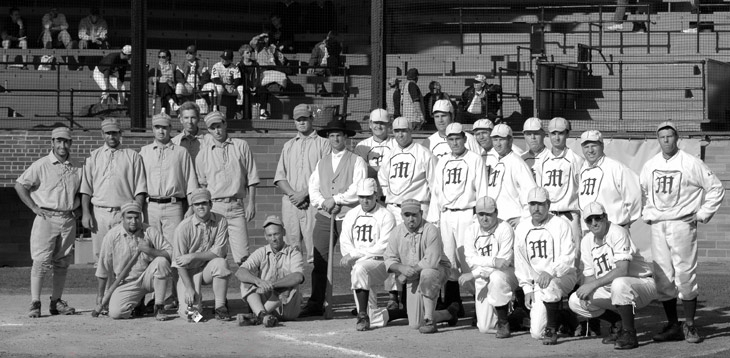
539,249
589,186
554,178
590,182
399,170
601,265
666,185
363,233
453,176
402,168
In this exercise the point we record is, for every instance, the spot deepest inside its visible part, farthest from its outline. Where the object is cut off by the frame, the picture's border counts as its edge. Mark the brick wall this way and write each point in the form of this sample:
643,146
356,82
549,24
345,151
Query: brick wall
20,148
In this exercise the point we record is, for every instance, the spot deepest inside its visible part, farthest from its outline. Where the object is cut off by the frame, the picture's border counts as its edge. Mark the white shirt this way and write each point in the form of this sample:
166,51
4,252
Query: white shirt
408,173
482,248
348,197
366,234
613,185
459,182
546,248
374,152
600,258
560,176
439,147
509,180
534,161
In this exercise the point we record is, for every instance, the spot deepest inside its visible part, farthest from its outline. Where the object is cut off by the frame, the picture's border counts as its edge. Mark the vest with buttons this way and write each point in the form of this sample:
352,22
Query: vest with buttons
333,182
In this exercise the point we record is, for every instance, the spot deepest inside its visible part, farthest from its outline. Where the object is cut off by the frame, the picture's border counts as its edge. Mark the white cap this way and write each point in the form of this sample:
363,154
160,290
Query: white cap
482,124
454,128
401,123
591,136
593,208
480,78
538,195
379,115
532,124
558,124
127,50
443,105
367,187
501,130
666,124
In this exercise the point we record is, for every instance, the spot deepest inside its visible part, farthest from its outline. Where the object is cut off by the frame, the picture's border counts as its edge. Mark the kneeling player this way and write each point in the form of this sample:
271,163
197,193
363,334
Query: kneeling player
271,278
198,254
416,254
488,248
617,279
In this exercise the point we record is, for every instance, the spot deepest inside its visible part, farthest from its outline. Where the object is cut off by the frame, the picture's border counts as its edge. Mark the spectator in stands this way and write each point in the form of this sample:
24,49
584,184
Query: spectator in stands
109,74
194,77
434,94
473,105
251,75
412,100
165,76
273,63
227,79
280,36
13,34
392,97
55,27
326,58
93,31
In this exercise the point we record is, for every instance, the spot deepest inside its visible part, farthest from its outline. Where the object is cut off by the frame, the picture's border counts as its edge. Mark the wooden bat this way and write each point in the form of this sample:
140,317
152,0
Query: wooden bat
108,294
328,290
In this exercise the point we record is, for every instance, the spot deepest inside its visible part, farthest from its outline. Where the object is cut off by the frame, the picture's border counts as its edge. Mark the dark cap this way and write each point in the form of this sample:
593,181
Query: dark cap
412,73
191,49
227,55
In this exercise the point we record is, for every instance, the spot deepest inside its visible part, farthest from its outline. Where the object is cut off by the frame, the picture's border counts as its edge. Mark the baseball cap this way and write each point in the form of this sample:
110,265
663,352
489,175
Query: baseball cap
401,123
538,195
591,136
666,124
227,55
393,80
379,115
532,124
131,206
480,78
191,49
486,204
61,132
273,220
110,125
482,124
412,73
410,206
443,105
592,209
558,124
367,187
302,110
200,195
454,128
161,119
127,50
501,130
213,117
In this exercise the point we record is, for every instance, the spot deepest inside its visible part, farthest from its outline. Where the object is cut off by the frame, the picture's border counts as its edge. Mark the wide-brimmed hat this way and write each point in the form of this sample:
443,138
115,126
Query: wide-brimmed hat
335,125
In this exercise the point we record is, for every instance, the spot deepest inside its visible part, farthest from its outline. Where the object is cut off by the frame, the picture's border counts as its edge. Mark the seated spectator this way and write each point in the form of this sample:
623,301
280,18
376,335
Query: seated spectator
256,96
55,27
481,100
195,77
280,36
165,76
227,79
109,74
434,94
93,31
275,76
326,58
13,34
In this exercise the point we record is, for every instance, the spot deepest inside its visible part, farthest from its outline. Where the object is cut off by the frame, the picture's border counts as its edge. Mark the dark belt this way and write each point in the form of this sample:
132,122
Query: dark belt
53,212
459,209
567,214
166,200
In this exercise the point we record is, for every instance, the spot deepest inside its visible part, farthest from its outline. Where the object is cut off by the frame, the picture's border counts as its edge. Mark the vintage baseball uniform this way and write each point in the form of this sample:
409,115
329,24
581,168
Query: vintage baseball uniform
613,185
637,288
494,286
118,248
560,176
271,266
534,161
408,173
112,177
675,192
509,180
227,169
546,248
374,153
438,146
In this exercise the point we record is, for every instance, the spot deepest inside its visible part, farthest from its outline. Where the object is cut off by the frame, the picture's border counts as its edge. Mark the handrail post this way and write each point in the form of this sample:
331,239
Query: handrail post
704,91
699,10
648,28
58,85
620,90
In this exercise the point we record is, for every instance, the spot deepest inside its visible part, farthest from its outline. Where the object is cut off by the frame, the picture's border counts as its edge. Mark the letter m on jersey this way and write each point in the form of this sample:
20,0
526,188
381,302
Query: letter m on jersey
665,188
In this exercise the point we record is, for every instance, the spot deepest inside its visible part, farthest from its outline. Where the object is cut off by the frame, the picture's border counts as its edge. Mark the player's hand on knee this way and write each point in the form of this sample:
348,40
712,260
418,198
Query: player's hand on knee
345,260
529,299
544,279
585,292
466,278
264,287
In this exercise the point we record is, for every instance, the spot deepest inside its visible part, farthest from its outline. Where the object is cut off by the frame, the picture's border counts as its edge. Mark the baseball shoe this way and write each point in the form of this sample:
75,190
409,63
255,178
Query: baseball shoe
474,320
454,312
502,330
35,309
461,313
670,332
159,313
311,311
363,322
428,326
613,332
172,304
247,319
268,320
221,314
59,306
626,340
615,27
392,305
690,333
549,337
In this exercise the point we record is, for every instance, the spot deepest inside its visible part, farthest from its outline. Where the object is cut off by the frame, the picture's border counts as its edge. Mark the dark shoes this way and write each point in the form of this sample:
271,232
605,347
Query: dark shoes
454,312
35,309
626,340
159,313
267,320
221,314
690,333
549,337
363,322
59,306
502,330
670,332
428,327
613,333
311,311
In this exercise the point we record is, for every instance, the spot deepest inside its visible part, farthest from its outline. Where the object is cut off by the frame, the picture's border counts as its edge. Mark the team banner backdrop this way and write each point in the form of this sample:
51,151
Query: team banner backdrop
633,153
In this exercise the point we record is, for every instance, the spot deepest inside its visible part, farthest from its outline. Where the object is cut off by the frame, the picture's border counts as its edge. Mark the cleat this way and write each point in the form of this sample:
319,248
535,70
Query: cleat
363,322
549,337
670,332
613,333
159,313
247,319
35,309
626,340
221,314
266,319
454,312
173,305
690,333
311,311
428,327
502,330
59,306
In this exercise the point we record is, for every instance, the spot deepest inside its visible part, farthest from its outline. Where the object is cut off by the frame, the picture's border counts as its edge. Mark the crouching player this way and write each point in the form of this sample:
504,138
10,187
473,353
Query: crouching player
617,279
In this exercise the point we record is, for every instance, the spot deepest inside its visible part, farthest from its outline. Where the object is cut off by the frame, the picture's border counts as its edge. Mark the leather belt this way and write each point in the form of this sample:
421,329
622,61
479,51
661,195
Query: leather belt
459,209
166,200
108,208
53,212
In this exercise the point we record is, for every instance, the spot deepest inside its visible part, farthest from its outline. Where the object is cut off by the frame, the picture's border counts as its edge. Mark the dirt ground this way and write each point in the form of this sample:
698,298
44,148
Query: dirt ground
83,336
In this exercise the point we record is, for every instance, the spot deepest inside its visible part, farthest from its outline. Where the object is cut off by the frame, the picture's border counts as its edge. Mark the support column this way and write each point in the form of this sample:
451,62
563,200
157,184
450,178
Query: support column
138,87
377,63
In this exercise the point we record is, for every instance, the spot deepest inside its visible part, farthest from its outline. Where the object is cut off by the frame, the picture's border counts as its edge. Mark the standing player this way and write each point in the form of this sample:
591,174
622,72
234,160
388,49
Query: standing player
199,255
49,188
678,191
227,79
536,152
412,106
443,115
113,175
482,130
298,159
544,265
190,139
415,253
608,182
365,233
489,252
460,179
617,279
376,148
333,191
509,177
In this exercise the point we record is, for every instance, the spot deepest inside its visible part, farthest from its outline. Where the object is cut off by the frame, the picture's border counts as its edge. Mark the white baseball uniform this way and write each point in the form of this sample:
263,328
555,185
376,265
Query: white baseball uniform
439,147
408,173
509,180
613,185
546,248
534,161
458,183
365,236
677,192
637,288
560,176
374,153
494,286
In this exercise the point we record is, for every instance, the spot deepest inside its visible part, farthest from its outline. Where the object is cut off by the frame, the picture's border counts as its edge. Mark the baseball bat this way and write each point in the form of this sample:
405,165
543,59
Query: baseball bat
110,289
328,290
